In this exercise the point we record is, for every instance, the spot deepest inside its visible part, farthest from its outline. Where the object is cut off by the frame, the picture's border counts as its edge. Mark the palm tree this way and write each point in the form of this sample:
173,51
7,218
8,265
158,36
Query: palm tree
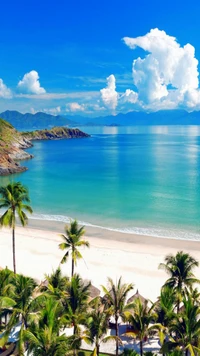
6,305
186,328
141,318
180,268
165,306
23,296
25,305
13,198
97,324
72,240
55,285
76,302
43,334
75,306
115,297
5,291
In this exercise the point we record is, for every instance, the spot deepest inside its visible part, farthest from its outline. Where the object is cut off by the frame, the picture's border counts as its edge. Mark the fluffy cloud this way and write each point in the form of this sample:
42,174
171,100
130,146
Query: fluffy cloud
53,111
168,73
73,107
109,95
129,96
5,92
30,84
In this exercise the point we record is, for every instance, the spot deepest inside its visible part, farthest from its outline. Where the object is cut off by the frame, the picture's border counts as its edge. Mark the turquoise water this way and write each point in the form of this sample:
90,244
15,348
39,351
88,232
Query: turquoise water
135,179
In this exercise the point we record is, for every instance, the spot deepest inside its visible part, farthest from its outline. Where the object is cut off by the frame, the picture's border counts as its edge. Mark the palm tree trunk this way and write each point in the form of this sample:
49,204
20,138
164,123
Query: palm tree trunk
141,347
98,349
13,246
72,267
117,335
72,261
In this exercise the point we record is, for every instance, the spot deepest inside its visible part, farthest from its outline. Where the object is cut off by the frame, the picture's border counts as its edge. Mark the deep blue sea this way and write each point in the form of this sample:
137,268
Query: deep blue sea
144,180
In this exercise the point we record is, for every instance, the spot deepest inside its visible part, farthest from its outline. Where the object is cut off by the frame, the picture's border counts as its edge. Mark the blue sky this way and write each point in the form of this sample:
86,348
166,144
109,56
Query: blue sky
70,57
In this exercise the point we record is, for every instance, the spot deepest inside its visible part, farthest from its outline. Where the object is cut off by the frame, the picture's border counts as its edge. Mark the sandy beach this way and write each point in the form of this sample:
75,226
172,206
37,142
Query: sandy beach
111,254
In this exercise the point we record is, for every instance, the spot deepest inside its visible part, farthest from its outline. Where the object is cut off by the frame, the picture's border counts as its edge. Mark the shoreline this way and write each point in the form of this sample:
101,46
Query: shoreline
106,233
111,254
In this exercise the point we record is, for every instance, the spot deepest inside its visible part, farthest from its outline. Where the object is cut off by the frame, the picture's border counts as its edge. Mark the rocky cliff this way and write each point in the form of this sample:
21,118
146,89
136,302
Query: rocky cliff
13,143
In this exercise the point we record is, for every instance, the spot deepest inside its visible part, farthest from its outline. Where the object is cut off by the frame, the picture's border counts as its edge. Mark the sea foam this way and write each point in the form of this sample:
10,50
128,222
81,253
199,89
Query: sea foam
167,233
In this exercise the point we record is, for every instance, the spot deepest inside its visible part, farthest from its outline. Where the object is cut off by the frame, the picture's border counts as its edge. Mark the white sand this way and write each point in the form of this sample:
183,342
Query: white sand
111,254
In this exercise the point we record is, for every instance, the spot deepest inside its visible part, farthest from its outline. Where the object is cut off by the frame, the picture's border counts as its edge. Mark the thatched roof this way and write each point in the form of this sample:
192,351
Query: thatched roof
137,295
93,291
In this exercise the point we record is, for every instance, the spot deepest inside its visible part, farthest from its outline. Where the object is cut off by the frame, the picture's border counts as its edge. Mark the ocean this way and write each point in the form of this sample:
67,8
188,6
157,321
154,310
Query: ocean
143,180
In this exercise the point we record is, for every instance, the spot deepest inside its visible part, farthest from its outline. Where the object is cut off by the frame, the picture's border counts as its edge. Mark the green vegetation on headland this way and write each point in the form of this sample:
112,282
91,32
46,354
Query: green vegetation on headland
13,143
54,133
45,311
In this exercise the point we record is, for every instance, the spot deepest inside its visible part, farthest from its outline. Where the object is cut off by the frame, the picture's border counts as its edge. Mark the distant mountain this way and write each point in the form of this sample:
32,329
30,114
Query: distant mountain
162,117
39,120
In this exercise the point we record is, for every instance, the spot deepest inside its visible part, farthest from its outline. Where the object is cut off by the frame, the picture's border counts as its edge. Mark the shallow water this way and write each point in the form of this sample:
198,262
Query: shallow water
134,179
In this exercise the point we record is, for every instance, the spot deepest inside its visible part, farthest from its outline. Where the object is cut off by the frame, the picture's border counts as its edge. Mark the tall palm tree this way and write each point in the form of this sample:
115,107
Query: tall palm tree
97,324
71,241
115,297
14,197
180,269
141,318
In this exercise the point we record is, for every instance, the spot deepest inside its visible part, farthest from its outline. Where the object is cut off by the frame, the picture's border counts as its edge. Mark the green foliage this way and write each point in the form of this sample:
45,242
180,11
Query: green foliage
5,124
115,298
43,333
97,320
76,301
71,241
13,198
180,269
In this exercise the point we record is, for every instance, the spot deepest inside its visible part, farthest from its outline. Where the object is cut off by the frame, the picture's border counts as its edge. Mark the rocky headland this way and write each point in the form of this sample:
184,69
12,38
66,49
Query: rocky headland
13,143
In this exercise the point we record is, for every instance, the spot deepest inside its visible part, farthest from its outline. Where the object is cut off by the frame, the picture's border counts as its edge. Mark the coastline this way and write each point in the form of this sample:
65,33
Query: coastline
111,254
109,234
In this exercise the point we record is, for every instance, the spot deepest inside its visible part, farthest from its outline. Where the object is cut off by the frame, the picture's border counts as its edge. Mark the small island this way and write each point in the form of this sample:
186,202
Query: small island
13,143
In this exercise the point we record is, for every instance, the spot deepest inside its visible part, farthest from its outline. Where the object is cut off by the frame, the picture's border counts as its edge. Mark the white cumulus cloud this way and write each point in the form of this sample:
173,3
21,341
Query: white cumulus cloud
167,73
5,92
53,111
109,94
30,84
129,96
73,107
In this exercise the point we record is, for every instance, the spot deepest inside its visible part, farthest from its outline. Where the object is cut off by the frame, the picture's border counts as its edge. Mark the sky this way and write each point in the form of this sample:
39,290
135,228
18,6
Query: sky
97,58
